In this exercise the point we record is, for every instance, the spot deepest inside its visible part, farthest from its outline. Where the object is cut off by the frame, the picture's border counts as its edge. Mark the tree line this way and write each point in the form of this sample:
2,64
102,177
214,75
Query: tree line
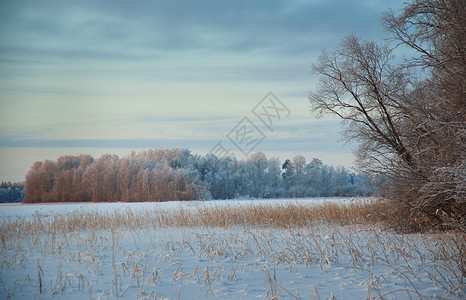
408,115
177,174
11,192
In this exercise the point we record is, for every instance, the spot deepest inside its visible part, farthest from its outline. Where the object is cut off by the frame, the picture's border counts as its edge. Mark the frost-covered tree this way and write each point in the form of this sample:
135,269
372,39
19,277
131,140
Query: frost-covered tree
11,192
176,174
411,129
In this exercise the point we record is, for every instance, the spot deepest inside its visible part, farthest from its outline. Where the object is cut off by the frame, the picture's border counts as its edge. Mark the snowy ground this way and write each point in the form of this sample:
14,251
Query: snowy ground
241,262
20,210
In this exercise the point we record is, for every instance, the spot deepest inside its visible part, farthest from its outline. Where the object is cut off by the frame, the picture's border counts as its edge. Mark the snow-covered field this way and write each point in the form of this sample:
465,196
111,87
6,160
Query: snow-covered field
20,210
44,257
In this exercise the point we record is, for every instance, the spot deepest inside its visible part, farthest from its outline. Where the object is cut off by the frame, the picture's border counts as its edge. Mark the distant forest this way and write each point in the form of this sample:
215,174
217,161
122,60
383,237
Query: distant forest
177,174
11,192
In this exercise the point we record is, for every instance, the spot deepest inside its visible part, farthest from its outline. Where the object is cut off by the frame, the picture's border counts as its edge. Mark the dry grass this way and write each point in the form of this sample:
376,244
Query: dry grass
294,235
286,215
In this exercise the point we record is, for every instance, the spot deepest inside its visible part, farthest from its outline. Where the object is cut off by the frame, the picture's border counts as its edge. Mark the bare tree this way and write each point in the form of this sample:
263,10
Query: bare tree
436,29
410,129
358,84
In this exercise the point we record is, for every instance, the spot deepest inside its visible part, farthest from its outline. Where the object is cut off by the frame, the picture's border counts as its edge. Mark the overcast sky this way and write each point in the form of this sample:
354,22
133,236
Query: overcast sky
110,76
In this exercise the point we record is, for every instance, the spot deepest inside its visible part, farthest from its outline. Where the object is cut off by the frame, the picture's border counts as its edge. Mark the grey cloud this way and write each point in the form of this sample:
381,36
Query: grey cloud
299,145
208,119
283,26
106,143
253,41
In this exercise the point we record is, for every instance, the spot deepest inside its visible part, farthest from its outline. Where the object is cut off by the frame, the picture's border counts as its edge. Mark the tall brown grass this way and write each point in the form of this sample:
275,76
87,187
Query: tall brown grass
282,215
